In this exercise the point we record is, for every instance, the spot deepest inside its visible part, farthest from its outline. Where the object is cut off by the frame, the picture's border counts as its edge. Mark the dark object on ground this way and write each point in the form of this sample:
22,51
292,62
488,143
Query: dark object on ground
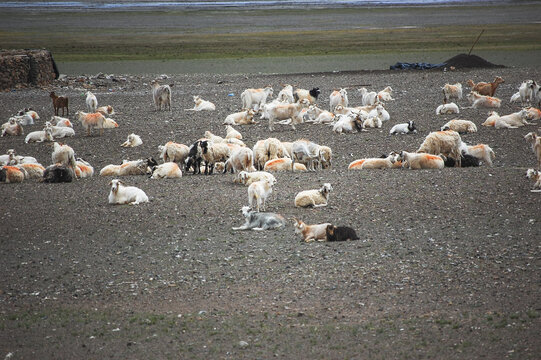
340,233
470,61
415,66
58,173
465,161
21,68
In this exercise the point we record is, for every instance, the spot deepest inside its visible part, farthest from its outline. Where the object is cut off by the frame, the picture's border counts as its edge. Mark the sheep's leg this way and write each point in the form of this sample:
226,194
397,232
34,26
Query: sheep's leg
243,227
320,205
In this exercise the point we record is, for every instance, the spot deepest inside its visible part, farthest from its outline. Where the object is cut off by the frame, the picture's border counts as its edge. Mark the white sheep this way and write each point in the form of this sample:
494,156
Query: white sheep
283,164
447,109
201,105
232,133
91,102
258,192
11,158
338,97
416,161
161,94
460,126
173,152
12,128
286,94
325,155
372,122
478,101
319,116
379,111
109,124
385,94
447,143
241,159
452,92
255,98
83,169
348,123
527,91
404,128
533,113
168,170
31,171
368,97
59,132
534,175
90,121
375,163
212,153
122,194
246,178
480,151
40,136
511,121
310,95
313,198
61,121
24,120
106,110
286,111
274,149
64,155
245,117
134,167
132,141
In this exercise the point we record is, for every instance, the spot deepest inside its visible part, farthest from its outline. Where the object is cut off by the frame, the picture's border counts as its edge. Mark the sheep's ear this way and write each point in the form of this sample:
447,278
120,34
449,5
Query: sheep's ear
110,183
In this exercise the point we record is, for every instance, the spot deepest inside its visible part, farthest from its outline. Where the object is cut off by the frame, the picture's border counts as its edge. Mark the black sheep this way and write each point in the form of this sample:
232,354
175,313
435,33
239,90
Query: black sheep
340,233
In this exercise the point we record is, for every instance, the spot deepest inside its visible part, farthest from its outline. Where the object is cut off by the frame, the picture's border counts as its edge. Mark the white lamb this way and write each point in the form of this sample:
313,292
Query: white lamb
245,117
404,128
132,141
286,94
372,122
319,116
241,159
460,126
60,131
527,91
109,124
201,105
258,192
480,151
232,133
168,170
247,178
348,124
91,102
478,101
40,136
379,111
122,194
385,94
313,198
61,121
447,109
416,161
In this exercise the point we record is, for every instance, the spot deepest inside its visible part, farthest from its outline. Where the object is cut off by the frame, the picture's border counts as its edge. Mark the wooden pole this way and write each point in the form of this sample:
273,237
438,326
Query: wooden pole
482,31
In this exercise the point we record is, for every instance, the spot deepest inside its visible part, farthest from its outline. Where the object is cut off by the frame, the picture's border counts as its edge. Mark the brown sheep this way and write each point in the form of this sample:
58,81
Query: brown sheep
59,102
484,88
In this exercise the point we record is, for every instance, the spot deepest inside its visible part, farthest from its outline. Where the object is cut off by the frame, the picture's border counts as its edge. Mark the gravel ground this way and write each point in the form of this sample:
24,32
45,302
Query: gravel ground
447,265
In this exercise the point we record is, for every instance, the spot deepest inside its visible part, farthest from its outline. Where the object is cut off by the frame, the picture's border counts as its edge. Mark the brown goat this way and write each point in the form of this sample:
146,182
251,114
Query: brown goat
59,102
484,88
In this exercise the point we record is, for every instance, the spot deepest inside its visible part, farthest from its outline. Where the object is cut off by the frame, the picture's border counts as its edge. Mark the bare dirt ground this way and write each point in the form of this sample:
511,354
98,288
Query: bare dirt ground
447,265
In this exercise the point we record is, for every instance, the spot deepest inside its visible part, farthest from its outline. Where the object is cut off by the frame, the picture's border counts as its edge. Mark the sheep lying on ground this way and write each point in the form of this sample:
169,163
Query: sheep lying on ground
122,194
161,94
168,170
258,192
535,141
283,164
201,105
348,124
511,121
451,92
375,163
12,128
319,116
255,98
90,121
310,95
447,109
478,101
29,112
40,136
11,158
11,174
109,124
260,220
533,113
531,174
372,122
134,167
385,94
31,171
58,173
173,152
247,178
245,117
485,88
447,143
340,233
231,133
482,152
405,128
60,121
91,102
83,169
416,161
132,141
286,111
379,111
460,126
59,132
313,198
309,233
106,110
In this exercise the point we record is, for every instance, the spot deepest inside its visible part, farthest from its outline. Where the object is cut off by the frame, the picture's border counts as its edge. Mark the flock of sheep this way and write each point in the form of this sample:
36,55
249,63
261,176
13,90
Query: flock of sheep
254,166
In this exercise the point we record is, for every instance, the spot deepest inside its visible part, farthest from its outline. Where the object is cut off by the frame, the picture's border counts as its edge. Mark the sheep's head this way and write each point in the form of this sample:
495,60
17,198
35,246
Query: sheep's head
115,185
204,146
532,174
499,80
326,188
411,126
298,224
315,92
246,210
530,137
330,229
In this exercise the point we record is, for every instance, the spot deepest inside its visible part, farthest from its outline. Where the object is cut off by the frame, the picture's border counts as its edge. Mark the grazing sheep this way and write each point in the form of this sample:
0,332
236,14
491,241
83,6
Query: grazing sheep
122,194
481,152
368,97
245,117
534,175
260,220
255,98
61,121
174,152
340,233
212,153
91,102
58,173
485,88
168,170
385,94
348,124
161,94
460,126
310,95
134,167
106,110
405,128
11,174
241,159
59,102
309,233
283,164
313,198
132,141
83,169
447,109
416,161
375,163
451,92
231,133
478,101
446,142
259,191
201,105
64,155
40,136
12,128
338,97
247,178
90,121
535,141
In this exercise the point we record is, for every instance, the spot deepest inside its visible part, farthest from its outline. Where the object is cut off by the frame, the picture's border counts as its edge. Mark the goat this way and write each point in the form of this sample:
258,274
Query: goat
310,95
11,158
40,136
260,220
168,170
447,143
368,97
375,163
348,124
60,121
380,112
83,169
515,97
447,109
11,174
305,152
241,159
232,133
533,113
247,178
245,117
340,233
255,98
286,111
466,160
106,110
416,161
528,90
325,156
90,121
132,141
319,116
31,171
59,102
309,233
91,102
478,101
511,121
460,126
161,94
109,124
451,92
272,149
385,94
481,152
212,153
404,128
122,194
64,155
486,88
283,164
259,191
58,173
535,141
201,105
173,152
314,198
12,128
29,112
59,132
134,167
372,122
338,97
286,94
194,158
531,174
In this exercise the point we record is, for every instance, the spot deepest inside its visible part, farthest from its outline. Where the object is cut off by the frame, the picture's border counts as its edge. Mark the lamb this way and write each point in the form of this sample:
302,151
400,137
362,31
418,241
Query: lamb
319,116
168,170
91,102
286,94
482,152
58,173
515,97
59,102
109,124
83,169
11,174
325,156
340,233
245,117
348,124
40,136
12,128
194,158
255,98
385,94
260,220
416,161
241,159
372,122
368,97
310,95
201,105
491,119
161,94
375,163
380,112
212,153
61,121
466,160
64,155
460,126
132,141
338,97
90,121
31,171
310,233
231,133
24,119
259,191
531,174
313,198
174,152
452,92
447,109
535,141
247,178
106,110
11,158
478,101
447,143
59,132
485,88
286,111
404,128
283,164
134,167
122,194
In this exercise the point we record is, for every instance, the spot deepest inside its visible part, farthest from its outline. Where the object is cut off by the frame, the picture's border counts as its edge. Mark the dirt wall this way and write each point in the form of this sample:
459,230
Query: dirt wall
22,68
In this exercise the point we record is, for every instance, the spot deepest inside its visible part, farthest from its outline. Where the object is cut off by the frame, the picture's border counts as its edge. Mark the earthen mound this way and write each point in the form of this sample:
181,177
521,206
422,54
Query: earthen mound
470,61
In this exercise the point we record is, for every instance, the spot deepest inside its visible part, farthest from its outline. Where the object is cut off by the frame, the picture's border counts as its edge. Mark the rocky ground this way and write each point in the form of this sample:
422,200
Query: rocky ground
447,265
